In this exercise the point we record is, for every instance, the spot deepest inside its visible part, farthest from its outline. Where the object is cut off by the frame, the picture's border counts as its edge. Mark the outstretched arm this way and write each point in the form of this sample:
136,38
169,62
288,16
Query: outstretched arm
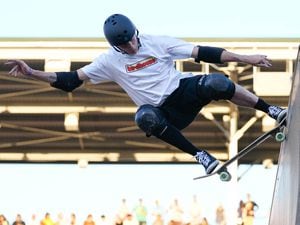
255,60
20,68
219,55
66,81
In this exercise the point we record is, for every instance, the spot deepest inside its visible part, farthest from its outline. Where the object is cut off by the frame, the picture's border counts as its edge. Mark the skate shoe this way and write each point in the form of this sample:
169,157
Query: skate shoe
208,161
277,113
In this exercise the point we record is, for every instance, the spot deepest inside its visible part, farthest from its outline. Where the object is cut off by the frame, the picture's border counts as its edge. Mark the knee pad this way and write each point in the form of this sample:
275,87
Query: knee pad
150,120
218,86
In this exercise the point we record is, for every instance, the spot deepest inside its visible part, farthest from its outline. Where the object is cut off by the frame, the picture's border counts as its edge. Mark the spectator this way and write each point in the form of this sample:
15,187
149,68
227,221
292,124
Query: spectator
130,220
102,220
220,215
250,208
60,219
3,220
195,212
141,212
204,221
123,210
118,220
89,220
175,213
240,212
158,212
158,220
73,219
18,220
33,220
47,220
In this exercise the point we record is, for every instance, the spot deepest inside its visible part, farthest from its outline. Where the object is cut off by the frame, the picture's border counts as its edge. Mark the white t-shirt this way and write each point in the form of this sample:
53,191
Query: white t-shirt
149,76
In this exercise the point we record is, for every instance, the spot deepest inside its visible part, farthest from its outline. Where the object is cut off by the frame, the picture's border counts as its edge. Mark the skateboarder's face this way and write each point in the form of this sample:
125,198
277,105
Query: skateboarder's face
131,47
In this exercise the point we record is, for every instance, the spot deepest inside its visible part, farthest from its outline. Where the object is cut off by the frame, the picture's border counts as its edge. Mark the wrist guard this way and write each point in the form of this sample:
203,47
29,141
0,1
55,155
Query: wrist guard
209,54
67,81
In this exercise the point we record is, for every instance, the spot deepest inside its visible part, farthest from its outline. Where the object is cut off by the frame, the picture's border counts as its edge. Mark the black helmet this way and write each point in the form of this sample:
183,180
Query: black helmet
118,29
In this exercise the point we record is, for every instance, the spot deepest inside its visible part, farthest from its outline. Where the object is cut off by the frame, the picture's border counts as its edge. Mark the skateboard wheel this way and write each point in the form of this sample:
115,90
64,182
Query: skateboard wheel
280,136
225,176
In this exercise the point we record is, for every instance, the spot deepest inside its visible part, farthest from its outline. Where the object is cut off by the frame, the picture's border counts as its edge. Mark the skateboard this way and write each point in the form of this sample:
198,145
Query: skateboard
222,171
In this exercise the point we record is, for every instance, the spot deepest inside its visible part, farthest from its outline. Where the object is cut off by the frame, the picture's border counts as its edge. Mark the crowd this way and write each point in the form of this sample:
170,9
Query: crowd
140,215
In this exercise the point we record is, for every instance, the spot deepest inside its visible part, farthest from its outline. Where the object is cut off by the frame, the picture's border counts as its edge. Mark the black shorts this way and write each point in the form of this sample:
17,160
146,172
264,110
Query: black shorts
184,104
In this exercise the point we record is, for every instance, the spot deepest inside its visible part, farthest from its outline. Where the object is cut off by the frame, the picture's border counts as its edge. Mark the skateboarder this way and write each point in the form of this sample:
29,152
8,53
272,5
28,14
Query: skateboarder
167,100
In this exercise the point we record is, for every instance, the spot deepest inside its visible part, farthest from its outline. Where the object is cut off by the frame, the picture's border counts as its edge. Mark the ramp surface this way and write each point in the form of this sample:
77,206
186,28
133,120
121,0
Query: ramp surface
286,199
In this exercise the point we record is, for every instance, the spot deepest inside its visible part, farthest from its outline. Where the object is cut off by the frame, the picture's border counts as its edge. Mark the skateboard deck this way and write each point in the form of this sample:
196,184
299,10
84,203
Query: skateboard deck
222,171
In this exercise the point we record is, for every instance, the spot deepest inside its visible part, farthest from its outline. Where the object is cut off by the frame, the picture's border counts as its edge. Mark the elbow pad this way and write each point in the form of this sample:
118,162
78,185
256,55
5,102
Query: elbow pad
67,81
209,54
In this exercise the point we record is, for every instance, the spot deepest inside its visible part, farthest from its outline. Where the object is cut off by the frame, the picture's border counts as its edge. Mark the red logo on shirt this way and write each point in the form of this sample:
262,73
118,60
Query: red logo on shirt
141,64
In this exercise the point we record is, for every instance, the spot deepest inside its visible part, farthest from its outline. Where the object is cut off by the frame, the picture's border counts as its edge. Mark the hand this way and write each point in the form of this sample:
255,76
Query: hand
259,60
19,67
255,60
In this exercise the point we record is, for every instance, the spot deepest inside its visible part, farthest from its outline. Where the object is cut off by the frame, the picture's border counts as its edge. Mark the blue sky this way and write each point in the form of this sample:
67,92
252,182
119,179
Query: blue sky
189,18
